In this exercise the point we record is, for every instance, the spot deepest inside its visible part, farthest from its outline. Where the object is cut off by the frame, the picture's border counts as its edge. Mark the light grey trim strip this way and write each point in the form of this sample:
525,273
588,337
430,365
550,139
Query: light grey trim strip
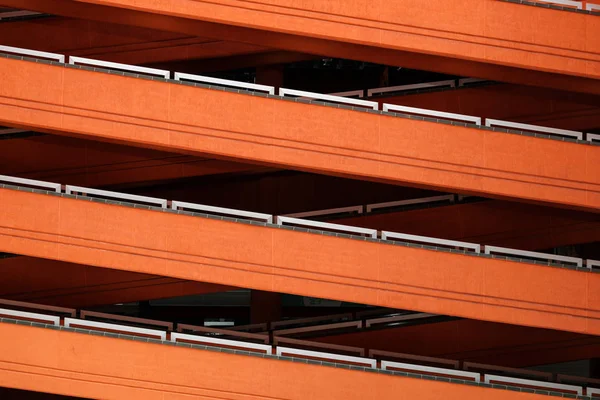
221,342
326,225
115,327
330,211
33,53
93,314
432,113
268,218
53,319
33,306
449,83
223,82
592,7
425,239
530,382
327,356
126,67
532,128
533,254
327,97
70,189
31,182
431,370
371,207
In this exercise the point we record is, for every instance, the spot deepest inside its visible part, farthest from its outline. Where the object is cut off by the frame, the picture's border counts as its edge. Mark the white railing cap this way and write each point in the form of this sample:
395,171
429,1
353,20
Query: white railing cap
69,189
224,82
327,97
33,53
113,65
432,113
326,225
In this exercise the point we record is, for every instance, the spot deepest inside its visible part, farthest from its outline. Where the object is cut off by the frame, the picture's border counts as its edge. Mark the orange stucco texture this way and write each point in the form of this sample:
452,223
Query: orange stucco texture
299,136
286,261
100,367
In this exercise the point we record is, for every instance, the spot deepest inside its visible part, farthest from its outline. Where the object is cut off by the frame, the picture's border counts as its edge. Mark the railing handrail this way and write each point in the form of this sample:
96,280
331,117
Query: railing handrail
69,189
400,203
432,370
223,82
115,327
483,368
533,254
326,225
34,306
226,332
125,67
116,317
31,182
463,81
34,53
55,320
327,97
20,13
316,328
330,346
280,350
489,122
311,319
398,318
329,211
222,342
434,360
222,210
426,239
531,382
402,88
438,114
359,93
592,263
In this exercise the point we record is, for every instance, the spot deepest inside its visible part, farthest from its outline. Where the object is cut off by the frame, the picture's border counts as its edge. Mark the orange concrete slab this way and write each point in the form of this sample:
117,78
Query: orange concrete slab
286,261
490,39
78,364
499,223
115,42
477,341
516,103
91,163
314,138
63,284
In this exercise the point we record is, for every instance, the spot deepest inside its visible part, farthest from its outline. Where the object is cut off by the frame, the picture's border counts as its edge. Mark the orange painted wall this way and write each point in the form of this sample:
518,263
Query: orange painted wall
72,285
99,367
298,136
299,263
